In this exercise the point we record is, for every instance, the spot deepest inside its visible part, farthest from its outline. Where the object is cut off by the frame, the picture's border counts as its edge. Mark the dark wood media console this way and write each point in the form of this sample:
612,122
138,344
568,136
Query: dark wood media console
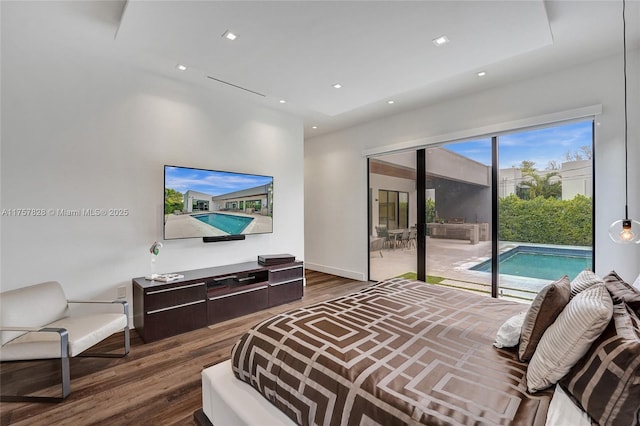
210,295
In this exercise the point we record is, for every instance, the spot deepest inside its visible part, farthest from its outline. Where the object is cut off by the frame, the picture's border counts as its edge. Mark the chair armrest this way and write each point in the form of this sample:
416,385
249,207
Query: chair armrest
125,305
16,328
64,335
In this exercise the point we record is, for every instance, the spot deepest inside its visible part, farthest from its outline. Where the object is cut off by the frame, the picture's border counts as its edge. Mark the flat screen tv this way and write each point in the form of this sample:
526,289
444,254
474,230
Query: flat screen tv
216,205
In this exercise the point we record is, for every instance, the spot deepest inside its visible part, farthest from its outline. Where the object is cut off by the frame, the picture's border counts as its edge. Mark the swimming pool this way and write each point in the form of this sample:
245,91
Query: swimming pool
548,263
228,223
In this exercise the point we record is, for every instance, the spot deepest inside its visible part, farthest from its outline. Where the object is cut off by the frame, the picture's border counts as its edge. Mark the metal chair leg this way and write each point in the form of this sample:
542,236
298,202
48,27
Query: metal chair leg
65,373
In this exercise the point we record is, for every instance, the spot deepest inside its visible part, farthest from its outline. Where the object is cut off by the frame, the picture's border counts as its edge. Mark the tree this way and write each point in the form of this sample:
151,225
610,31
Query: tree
536,185
527,167
173,200
584,153
553,165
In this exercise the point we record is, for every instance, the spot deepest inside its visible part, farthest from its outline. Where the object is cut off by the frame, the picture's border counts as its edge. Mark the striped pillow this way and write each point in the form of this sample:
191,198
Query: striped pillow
569,337
544,310
583,281
606,381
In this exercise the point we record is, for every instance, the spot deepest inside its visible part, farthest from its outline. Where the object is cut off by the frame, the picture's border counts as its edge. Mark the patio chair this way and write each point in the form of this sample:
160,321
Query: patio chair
382,232
404,238
413,235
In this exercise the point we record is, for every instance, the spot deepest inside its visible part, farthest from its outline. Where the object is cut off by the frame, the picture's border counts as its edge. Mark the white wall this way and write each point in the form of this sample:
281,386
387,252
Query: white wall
82,132
335,168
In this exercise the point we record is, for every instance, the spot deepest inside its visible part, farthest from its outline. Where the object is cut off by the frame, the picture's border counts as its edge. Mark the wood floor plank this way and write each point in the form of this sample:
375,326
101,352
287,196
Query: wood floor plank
158,383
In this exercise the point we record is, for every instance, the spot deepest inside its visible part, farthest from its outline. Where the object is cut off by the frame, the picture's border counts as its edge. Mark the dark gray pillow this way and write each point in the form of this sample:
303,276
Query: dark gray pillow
544,310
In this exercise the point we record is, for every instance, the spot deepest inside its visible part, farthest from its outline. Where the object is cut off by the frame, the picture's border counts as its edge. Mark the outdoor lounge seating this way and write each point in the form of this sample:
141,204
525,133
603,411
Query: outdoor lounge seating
35,324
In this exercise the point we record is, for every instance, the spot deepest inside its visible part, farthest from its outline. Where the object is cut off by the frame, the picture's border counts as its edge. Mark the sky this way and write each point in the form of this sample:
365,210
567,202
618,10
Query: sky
540,146
210,182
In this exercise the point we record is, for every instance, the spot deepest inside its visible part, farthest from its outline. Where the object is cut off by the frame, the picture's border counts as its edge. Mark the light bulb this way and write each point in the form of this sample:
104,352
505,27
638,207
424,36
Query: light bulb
625,231
626,234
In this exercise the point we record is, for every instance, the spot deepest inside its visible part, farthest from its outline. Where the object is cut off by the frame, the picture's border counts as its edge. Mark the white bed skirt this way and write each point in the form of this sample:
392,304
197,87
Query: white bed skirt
229,401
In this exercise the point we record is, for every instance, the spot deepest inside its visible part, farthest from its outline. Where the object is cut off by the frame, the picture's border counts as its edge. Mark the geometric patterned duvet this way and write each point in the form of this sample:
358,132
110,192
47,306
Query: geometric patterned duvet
399,352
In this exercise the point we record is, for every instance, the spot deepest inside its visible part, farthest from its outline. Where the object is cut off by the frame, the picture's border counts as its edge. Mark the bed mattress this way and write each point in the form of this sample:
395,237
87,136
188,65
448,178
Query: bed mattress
398,352
229,401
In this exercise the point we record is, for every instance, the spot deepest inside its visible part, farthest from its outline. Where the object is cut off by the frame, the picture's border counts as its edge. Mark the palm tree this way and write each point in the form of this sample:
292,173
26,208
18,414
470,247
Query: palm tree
540,186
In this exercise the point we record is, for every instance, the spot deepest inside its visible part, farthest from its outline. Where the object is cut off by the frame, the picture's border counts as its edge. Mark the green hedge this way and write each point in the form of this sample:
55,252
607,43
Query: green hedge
546,220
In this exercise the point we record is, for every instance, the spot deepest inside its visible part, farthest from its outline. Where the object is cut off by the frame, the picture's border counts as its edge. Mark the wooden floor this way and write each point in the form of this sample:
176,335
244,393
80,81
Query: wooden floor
156,384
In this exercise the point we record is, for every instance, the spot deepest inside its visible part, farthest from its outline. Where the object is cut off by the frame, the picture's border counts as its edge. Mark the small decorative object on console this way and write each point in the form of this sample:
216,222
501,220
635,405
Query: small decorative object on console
154,250
275,259
165,278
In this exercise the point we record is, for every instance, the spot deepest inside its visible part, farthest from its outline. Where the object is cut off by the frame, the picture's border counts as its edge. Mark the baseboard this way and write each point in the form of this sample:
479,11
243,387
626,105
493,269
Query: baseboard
354,275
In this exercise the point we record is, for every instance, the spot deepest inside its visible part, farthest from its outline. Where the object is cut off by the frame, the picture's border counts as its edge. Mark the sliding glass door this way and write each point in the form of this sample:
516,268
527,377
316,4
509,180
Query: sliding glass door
458,214
545,206
392,216
502,216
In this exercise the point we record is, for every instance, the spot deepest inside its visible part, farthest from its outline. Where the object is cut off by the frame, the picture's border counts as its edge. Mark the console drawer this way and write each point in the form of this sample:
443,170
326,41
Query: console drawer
241,302
167,322
286,291
285,273
174,296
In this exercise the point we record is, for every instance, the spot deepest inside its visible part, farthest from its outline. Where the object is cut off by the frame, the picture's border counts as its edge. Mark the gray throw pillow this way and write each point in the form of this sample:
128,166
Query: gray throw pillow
544,310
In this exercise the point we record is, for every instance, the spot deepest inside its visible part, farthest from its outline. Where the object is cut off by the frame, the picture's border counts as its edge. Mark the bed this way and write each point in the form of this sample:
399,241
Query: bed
397,352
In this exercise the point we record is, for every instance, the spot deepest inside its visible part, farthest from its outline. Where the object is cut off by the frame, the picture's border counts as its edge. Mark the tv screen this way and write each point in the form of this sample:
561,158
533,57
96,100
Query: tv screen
211,203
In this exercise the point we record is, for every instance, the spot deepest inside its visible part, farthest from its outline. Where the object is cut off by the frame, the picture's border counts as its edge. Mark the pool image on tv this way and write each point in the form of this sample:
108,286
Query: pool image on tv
209,203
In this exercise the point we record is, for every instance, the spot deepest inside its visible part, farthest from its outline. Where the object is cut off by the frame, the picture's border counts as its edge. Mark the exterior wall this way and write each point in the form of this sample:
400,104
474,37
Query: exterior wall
335,164
458,200
508,181
191,196
577,179
377,182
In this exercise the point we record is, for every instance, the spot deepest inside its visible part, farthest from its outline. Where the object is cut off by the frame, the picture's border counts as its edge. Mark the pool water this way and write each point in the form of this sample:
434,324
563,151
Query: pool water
541,262
230,224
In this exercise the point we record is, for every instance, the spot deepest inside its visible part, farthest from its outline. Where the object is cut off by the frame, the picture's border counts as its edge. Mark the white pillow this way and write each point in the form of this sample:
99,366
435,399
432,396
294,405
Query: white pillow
569,337
509,333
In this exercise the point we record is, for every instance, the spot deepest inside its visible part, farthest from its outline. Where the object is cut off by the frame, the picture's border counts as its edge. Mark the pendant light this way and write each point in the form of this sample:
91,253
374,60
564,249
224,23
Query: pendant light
625,231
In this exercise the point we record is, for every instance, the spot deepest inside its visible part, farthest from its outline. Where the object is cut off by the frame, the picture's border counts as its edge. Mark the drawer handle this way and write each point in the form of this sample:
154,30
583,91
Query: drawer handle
241,280
287,268
228,277
174,288
175,307
285,282
262,287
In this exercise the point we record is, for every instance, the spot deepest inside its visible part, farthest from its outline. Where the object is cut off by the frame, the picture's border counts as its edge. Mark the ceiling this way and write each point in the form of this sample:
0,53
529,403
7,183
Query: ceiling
379,51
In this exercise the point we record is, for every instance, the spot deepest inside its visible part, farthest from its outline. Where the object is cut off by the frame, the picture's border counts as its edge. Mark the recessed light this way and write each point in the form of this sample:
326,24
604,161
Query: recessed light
181,67
282,101
440,41
391,102
229,35
337,86
314,127
482,73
